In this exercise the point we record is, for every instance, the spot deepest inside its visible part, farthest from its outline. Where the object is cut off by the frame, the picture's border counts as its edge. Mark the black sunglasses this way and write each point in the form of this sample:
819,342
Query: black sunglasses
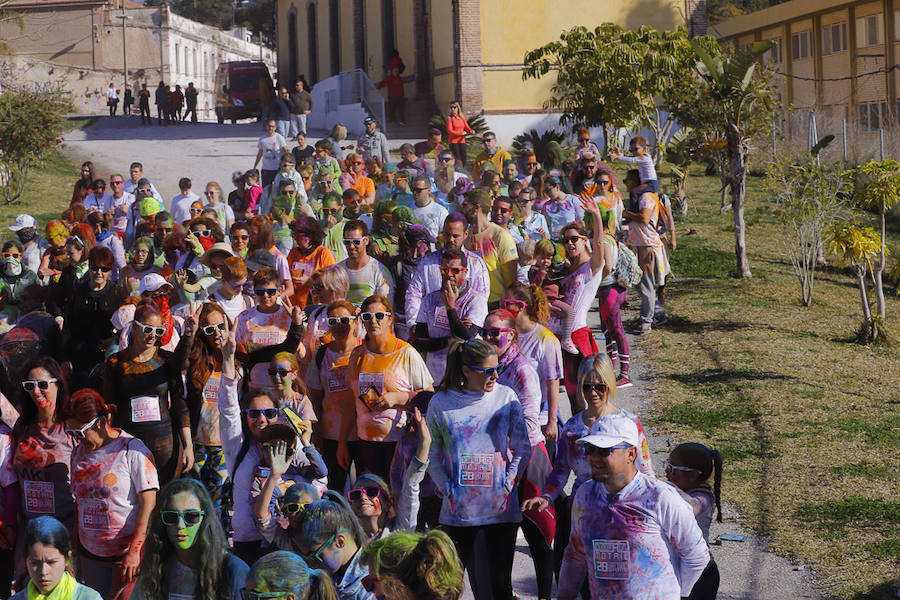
101,269
340,320
594,387
255,413
265,292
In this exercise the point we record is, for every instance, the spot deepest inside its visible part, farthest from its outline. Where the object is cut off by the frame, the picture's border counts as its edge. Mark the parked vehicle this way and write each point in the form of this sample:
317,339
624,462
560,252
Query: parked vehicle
239,85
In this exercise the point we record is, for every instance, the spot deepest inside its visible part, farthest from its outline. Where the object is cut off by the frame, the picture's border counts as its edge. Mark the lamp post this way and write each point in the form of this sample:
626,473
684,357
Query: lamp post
124,18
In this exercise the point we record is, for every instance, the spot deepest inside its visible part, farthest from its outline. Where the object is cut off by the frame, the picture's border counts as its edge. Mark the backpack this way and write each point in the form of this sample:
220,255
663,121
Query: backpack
628,272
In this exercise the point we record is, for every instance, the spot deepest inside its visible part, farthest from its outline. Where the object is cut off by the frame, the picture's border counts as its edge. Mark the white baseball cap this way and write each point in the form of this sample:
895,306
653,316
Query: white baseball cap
23,222
608,432
152,282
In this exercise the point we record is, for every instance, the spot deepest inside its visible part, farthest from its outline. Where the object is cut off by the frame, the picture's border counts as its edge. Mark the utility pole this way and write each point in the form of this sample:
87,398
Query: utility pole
124,19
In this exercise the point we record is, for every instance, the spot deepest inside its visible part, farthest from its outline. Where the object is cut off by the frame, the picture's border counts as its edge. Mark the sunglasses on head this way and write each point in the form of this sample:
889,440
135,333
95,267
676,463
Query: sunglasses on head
332,321
174,517
592,450
371,492
265,291
488,372
148,329
211,329
352,242
78,434
281,372
256,413
41,384
378,316
101,269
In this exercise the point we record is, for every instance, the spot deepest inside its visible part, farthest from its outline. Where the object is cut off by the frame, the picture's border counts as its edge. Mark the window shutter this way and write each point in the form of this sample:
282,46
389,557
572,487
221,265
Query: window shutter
861,32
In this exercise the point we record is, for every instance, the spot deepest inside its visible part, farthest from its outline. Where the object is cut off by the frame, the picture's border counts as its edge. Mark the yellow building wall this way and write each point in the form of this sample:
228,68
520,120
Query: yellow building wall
374,35
404,16
44,32
442,34
503,43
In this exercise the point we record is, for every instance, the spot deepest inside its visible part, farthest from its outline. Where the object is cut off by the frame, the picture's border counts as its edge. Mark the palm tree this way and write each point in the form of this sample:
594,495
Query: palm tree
857,246
731,84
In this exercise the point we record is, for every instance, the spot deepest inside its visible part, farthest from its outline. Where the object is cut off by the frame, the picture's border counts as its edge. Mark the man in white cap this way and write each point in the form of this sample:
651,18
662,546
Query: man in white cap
633,536
33,245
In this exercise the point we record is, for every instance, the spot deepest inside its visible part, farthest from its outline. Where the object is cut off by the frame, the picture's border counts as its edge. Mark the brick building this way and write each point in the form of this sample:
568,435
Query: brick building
838,57
471,50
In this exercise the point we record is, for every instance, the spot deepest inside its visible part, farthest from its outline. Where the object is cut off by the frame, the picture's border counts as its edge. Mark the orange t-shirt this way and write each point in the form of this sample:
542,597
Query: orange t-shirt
365,186
301,266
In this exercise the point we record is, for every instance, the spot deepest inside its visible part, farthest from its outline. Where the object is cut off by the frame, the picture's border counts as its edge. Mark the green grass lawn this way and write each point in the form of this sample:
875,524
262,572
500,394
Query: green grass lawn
807,421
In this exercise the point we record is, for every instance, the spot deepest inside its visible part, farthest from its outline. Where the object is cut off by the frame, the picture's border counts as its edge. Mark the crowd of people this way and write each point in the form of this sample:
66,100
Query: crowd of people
342,378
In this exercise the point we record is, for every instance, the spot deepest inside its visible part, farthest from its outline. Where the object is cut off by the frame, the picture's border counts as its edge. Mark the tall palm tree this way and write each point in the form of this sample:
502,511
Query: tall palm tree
732,86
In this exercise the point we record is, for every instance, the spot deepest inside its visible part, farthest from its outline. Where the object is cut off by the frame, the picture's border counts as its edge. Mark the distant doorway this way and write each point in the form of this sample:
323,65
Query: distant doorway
292,50
388,31
312,40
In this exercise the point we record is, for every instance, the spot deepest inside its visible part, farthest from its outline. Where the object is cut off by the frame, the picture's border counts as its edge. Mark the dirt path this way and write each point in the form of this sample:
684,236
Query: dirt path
210,152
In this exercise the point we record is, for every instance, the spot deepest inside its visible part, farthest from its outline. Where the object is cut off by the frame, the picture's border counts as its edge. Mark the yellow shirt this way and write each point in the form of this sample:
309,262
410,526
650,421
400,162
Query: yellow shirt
498,248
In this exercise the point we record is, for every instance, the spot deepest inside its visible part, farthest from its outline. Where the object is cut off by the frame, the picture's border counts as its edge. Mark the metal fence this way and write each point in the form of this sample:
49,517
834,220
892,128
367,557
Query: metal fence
354,86
853,143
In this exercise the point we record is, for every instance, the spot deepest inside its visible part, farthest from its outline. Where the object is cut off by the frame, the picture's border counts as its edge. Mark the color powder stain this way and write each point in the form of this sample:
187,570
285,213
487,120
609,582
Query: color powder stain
110,480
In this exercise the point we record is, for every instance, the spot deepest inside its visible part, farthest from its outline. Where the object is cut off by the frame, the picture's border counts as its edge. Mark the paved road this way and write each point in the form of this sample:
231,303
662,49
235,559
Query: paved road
207,151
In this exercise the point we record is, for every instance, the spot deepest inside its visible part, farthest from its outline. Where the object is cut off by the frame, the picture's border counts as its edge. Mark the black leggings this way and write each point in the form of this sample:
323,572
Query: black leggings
541,555
707,586
337,476
501,547
376,457
459,153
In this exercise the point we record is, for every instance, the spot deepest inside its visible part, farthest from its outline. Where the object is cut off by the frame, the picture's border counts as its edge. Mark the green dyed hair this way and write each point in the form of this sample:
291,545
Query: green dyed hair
286,572
427,563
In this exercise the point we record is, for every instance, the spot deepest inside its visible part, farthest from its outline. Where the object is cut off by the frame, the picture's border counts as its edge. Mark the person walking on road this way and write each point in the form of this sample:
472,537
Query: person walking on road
162,104
302,105
144,105
373,142
128,101
112,99
190,98
176,102
279,110
271,146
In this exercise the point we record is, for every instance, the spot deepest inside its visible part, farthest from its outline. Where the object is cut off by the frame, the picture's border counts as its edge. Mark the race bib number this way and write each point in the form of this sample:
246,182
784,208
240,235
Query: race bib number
476,470
94,515
266,337
211,391
440,317
612,559
371,380
145,409
39,497
337,379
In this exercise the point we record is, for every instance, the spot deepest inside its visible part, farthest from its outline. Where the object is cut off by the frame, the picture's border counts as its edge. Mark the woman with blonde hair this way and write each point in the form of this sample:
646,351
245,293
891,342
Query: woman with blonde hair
597,390
336,137
406,564
457,128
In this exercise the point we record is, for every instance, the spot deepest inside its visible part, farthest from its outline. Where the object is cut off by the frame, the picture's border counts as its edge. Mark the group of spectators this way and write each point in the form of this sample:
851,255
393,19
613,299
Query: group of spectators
271,391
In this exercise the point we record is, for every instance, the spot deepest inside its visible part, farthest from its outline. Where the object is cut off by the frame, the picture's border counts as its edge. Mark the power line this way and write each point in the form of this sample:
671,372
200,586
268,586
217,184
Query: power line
880,71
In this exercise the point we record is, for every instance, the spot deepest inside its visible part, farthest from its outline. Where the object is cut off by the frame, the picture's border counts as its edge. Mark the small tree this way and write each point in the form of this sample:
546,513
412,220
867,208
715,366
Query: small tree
680,154
810,203
734,87
856,246
877,189
31,127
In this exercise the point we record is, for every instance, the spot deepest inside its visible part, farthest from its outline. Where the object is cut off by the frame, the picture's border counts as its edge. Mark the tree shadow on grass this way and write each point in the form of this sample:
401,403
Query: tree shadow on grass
729,376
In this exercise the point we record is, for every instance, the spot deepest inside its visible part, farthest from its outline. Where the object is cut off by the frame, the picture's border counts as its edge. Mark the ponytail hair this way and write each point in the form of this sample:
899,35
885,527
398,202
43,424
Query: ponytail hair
706,461
327,517
425,562
469,352
286,572
537,305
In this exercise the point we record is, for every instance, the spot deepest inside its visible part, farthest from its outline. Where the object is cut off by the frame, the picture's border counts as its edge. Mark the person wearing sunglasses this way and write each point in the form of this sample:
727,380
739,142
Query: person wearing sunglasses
492,153
326,287
479,451
579,283
267,328
213,197
493,243
454,311
106,238
371,499
406,564
306,257
43,449
519,373
356,178
239,236
326,383
187,549
618,554
229,294
285,575
287,381
114,482
33,245
385,373
203,376
533,222
457,129
560,208
14,278
87,330
688,469
367,275
242,426
597,390
585,145
144,382
330,539
426,209
289,505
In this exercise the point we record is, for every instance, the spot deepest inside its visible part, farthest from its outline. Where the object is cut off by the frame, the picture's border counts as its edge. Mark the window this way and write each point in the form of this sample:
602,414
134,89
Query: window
834,38
897,25
801,45
872,116
334,26
869,31
774,54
